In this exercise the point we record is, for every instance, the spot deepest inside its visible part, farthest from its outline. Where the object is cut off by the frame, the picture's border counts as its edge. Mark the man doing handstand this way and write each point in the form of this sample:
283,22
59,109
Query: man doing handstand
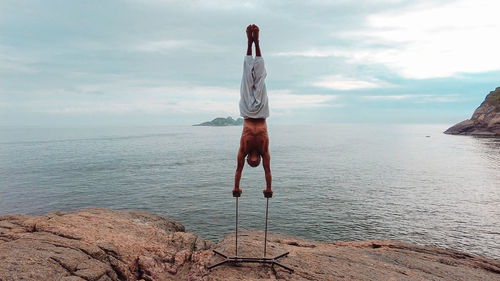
254,108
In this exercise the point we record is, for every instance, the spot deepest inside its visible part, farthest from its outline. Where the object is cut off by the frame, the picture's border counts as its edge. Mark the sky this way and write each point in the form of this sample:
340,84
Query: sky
168,62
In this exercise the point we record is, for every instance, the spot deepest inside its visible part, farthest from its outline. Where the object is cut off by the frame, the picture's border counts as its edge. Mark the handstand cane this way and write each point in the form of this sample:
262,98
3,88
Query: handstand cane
235,259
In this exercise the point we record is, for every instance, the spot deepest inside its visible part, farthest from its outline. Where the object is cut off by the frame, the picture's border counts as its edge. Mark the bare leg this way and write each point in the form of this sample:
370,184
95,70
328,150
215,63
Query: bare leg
255,37
250,40
257,49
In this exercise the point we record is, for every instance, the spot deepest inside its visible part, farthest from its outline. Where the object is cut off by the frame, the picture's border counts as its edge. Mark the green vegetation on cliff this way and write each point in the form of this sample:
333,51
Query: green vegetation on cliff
493,98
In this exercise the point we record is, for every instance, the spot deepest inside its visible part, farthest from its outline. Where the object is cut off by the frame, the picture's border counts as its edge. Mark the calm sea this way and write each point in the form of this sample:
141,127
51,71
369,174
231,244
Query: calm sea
331,182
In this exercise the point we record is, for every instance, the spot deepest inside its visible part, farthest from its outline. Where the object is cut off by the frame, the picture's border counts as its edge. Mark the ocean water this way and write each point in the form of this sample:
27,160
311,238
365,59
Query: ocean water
331,182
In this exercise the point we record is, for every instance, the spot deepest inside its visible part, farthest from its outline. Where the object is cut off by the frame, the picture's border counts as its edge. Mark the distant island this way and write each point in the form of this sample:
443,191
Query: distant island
484,122
220,121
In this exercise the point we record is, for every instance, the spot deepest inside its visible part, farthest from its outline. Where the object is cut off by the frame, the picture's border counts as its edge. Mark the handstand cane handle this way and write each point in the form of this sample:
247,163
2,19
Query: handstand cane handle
267,193
236,192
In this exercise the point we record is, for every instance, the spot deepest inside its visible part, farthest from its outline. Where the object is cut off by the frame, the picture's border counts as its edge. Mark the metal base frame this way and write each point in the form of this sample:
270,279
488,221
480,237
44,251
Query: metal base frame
234,259
264,260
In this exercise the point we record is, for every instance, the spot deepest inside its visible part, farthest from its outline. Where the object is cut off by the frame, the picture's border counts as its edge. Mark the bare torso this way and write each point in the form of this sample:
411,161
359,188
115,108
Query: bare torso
254,136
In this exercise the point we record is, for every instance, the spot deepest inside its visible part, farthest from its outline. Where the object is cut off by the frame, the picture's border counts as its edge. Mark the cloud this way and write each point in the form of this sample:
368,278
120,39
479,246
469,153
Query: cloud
173,55
213,4
416,98
284,99
423,42
180,46
164,45
12,60
312,53
390,97
436,42
135,97
339,82
149,106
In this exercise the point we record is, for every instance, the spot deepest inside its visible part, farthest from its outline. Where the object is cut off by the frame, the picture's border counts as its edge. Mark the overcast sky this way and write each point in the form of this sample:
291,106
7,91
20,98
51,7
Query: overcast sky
165,62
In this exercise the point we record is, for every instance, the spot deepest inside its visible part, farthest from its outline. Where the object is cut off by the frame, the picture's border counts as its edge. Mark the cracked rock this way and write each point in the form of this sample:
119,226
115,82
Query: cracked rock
105,245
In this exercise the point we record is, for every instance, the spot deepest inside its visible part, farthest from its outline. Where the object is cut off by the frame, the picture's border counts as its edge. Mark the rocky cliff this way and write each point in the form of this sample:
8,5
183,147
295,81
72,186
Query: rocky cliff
484,122
229,121
103,245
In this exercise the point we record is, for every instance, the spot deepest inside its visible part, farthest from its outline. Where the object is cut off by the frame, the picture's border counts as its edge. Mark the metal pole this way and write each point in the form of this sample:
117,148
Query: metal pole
263,260
265,233
236,254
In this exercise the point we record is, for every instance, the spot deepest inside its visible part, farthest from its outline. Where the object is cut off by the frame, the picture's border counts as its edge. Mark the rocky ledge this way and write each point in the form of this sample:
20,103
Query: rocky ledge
484,122
102,245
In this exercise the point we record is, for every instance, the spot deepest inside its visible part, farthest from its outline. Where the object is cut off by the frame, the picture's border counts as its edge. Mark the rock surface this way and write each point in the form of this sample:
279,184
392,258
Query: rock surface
95,244
229,121
484,122
100,244
359,260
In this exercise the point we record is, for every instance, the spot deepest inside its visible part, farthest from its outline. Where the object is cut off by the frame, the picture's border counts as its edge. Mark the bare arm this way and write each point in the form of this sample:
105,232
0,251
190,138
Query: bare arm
239,169
266,162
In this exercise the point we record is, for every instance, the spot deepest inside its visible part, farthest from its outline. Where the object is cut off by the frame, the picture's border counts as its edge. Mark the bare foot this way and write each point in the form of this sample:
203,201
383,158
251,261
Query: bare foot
249,33
255,33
